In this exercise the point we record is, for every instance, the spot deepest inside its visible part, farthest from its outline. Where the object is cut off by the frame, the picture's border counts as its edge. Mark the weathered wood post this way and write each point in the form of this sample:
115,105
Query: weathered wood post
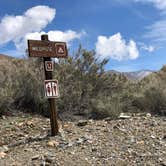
53,113
47,49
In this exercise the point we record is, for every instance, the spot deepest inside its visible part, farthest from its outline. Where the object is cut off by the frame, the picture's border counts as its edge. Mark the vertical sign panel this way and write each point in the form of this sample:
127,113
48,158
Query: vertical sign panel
51,88
49,65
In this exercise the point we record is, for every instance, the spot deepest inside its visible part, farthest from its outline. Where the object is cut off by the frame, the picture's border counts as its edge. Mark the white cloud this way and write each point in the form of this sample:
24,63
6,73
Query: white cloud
19,28
159,4
157,31
145,47
56,35
148,48
115,47
13,28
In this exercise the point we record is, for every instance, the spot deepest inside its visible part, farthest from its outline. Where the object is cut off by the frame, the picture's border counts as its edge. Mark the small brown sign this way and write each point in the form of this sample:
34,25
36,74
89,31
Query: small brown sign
51,88
49,65
38,48
60,49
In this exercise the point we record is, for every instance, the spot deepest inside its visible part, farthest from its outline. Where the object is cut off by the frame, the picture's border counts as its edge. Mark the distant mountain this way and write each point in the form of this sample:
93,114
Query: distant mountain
137,75
5,57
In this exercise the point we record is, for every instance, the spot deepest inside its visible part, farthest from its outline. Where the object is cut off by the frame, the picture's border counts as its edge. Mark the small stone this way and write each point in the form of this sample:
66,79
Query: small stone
82,123
4,148
3,117
35,157
66,126
80,141
148,115
29,123
72,152
123,116
107,119
132,139
70,144
11,123
52,143
152,136
90,120
20,124
2,154
141,142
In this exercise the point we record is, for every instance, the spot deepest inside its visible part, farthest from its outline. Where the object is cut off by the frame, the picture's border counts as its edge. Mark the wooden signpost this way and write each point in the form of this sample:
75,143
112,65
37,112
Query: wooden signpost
47,49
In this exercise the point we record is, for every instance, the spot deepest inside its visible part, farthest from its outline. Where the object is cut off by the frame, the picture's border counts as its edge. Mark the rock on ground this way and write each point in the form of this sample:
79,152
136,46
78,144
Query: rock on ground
136,140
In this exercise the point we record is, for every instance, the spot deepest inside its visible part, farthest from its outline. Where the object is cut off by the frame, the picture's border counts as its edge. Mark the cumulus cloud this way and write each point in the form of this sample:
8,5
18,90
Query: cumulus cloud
19,28
34,19
56,35
116,47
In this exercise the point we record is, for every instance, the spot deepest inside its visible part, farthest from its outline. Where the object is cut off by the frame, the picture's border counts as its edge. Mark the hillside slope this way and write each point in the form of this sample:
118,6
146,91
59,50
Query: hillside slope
138,75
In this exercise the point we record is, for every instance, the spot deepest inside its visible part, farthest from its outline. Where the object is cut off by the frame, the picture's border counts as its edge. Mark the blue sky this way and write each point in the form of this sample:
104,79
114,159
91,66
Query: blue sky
130,33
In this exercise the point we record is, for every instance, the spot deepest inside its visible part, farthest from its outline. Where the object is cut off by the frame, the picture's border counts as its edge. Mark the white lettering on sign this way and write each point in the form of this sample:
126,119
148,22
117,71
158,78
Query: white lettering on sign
49,49
51,88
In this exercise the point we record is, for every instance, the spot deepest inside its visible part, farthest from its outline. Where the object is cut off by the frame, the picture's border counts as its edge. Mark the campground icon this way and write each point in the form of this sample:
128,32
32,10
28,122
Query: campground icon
60,49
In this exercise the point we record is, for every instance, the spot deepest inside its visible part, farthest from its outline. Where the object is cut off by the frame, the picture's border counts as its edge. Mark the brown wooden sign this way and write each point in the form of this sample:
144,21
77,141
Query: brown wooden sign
38,48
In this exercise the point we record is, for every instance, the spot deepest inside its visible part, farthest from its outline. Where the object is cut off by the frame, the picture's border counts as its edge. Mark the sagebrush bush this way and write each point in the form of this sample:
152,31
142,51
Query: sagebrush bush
85,88
21,86
153,100
105,107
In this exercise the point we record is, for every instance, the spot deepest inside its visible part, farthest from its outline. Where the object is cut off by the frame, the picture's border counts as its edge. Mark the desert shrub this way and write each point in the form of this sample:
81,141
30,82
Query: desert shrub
6,89
21,86
153,100
5,105
105,107
81,78
29,94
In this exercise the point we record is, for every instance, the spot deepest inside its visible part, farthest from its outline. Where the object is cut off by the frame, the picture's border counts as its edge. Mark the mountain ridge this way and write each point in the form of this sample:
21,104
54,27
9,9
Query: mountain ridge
134,75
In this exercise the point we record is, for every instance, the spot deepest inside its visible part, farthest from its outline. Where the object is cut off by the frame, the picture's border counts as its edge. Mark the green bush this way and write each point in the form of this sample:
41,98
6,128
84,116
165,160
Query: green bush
153,100
29,93
106,107
81,78
21,86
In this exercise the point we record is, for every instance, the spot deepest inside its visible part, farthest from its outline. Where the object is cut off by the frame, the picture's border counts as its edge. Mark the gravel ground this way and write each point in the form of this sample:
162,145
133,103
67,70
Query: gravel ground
135,140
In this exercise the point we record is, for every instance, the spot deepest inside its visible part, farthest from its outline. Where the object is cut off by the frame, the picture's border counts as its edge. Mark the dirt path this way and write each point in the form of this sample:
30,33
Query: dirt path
139,140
